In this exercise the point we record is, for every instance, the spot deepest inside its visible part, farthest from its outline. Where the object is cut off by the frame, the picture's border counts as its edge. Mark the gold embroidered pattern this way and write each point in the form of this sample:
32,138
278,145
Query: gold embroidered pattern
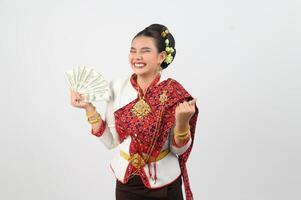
163,97
137,161
141,109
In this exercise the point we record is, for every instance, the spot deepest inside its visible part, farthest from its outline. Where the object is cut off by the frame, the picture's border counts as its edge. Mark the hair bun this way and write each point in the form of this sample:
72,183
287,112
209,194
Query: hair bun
164,41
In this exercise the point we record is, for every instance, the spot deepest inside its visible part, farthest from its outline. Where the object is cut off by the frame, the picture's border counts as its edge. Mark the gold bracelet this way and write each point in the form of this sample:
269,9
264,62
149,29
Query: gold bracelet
182,133
94,121
91,113
96,115
182,137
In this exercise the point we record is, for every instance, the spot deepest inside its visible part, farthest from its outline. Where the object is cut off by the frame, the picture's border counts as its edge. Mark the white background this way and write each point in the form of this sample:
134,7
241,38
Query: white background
240,59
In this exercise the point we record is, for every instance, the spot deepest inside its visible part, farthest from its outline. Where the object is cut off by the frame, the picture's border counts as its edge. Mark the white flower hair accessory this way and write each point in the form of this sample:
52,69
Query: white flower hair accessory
169,50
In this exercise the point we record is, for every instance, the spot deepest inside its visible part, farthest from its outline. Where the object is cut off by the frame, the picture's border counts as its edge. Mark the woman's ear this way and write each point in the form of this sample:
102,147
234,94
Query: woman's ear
162,56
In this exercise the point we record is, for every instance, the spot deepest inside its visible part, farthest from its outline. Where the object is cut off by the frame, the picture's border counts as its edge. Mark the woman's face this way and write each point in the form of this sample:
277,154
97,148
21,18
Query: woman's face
144,57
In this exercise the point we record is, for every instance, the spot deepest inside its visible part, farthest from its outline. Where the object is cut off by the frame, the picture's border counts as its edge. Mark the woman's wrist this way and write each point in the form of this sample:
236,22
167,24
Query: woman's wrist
92,115
180,127
90,108
181,133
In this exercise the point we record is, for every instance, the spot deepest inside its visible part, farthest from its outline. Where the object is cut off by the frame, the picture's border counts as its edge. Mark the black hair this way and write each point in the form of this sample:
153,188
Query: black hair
154,31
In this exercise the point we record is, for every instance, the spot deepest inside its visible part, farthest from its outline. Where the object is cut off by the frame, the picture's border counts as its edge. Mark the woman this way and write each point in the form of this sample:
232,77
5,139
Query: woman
151,119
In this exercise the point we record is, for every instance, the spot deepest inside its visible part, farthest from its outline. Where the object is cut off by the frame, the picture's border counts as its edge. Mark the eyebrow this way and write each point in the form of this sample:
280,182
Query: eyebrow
143,48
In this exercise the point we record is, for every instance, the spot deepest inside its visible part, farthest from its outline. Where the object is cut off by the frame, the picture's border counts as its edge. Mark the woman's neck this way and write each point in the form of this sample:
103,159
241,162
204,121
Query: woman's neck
145,81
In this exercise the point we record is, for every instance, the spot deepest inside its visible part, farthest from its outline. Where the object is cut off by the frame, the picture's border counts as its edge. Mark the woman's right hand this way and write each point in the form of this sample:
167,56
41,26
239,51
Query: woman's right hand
77,100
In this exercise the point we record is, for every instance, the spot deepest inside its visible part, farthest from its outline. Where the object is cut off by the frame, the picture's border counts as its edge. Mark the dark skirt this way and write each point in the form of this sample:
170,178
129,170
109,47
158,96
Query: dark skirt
134,189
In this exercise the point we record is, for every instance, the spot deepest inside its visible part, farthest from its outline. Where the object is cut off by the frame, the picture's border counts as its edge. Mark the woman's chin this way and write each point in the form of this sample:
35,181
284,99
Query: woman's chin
139,71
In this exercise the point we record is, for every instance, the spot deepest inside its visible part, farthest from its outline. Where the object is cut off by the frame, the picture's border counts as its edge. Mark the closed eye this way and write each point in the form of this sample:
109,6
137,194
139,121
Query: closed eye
143,51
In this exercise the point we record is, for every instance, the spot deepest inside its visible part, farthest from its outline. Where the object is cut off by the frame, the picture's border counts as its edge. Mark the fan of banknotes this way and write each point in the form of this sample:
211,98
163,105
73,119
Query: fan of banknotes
90,83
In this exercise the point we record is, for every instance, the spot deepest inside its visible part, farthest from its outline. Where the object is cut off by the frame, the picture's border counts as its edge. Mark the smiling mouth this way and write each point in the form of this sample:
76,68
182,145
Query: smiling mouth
139,65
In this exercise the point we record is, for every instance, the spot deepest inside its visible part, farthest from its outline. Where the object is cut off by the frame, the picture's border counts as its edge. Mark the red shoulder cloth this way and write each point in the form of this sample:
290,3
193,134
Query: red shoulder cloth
183,95
149,133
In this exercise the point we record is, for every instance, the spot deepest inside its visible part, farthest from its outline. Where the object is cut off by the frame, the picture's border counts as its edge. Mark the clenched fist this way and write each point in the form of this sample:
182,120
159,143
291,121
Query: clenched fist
184,111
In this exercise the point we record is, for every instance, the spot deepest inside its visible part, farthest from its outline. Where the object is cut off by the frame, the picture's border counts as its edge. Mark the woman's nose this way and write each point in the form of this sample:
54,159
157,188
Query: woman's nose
138,55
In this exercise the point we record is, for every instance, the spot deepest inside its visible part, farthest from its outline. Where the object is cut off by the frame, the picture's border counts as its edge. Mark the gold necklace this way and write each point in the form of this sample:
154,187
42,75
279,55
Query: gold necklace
141,108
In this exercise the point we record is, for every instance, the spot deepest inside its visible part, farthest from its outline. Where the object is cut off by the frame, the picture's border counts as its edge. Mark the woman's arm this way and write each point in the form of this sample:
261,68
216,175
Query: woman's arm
178,148
180,133
105,130
95,127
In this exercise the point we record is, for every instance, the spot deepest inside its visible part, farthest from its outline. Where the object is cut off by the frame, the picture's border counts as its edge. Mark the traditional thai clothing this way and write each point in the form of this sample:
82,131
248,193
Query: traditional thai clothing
141,125
134,189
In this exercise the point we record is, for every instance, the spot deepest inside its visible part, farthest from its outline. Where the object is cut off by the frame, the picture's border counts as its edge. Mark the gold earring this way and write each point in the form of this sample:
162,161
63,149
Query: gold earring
160,70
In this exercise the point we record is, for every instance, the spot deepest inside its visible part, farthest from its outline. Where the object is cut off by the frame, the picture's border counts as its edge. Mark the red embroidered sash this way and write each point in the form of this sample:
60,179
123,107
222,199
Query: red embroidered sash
149,133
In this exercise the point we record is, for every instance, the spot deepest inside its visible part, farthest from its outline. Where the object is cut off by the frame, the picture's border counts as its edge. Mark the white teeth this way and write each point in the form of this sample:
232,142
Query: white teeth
140,65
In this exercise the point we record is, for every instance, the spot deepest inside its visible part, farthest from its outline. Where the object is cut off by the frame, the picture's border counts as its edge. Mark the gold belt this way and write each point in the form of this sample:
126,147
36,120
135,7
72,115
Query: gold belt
138,161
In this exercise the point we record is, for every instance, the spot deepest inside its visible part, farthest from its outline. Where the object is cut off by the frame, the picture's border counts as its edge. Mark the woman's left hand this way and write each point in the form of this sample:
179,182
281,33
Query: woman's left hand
184,111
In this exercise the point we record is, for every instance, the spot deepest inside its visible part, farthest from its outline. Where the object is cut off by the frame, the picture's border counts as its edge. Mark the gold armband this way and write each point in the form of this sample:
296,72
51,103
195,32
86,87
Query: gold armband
182,135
